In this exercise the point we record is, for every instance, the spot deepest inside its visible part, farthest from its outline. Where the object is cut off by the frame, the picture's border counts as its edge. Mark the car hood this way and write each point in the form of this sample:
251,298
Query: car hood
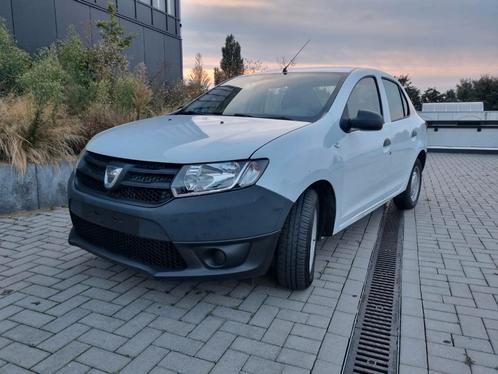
190,139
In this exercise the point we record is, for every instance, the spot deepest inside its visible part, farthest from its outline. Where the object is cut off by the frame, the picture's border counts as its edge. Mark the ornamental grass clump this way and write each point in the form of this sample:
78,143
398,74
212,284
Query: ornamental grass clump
28,134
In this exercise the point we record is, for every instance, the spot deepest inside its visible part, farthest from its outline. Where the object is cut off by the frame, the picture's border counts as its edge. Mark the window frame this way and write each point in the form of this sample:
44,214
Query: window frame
404,101
341,125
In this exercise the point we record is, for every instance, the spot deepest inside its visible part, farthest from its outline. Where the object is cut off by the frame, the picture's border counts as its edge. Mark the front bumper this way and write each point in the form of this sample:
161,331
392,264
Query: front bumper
218,235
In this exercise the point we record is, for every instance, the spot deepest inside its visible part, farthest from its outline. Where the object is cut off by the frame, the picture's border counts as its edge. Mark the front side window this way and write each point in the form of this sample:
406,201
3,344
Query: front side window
295,96
397,107
365,96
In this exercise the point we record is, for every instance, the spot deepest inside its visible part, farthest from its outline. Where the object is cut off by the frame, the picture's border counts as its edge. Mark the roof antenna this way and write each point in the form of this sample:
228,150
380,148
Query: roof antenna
284,70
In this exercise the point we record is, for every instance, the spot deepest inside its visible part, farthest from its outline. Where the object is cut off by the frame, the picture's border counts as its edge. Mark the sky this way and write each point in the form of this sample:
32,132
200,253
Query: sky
435,42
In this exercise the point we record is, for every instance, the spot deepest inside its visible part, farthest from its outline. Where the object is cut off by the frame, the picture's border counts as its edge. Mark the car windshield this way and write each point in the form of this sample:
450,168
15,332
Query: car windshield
295,96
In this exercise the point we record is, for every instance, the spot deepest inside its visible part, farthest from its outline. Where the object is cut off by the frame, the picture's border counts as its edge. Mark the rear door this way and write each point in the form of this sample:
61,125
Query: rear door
366,159
400,130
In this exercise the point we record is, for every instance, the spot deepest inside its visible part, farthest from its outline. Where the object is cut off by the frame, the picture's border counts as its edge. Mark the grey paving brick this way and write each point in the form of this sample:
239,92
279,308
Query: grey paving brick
216,346
61,358
172,326
136,324
186,364
278,332
22,355
63,337
60,323
230,362
139,342
102,339
206,329
296,358
252,332
178,343
102,322
32,318
144,362
256,348
27,335
264,316
303,344
103,360
257,365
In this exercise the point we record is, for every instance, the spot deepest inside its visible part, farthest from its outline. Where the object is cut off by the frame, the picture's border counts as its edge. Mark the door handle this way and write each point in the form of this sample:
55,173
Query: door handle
387,142
414,133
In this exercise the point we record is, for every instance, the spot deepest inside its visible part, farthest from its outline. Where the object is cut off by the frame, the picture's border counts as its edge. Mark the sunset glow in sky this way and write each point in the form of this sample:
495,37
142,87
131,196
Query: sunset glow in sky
436,42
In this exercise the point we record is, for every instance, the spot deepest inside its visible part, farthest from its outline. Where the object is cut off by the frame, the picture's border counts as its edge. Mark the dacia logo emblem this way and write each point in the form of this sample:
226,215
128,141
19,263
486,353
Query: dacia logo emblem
111,176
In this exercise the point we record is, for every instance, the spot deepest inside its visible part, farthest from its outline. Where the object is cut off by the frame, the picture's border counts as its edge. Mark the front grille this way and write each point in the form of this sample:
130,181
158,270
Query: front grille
144,183
160,255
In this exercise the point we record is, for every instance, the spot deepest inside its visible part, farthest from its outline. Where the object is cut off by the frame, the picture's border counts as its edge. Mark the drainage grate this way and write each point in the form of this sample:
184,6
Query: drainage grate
374,344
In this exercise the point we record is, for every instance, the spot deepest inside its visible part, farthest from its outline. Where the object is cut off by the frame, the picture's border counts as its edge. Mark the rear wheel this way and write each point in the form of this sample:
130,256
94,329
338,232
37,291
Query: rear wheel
409,197
296,249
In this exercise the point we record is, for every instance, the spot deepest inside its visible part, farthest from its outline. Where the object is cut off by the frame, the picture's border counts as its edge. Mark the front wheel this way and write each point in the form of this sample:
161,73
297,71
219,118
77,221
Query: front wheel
296,249
409,197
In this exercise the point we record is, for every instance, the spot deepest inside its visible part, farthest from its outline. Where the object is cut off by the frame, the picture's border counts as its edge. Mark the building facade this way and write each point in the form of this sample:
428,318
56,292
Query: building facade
155,25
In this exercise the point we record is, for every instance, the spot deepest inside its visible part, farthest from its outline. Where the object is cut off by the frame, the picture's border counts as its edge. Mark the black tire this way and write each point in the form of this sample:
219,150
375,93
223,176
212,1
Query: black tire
407,200
292,262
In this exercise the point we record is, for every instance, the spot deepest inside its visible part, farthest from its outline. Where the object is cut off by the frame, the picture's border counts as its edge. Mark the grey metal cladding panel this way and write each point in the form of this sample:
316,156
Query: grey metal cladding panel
34,23
171,25
135,52
154,54
97,15
6,13
159,20
104,3
173,59
72,13
126,8
144,14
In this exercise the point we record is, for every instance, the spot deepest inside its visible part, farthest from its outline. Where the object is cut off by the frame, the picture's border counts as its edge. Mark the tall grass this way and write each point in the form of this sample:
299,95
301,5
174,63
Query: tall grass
28,134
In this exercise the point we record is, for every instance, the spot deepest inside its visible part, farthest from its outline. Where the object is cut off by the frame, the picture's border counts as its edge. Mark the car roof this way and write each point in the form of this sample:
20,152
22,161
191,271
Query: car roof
327,69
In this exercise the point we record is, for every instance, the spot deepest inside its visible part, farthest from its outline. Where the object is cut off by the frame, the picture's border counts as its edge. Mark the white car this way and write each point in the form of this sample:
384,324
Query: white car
249,175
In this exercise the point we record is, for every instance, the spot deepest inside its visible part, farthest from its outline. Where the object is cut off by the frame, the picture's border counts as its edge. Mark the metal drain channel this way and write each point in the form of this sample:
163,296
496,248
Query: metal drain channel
374,345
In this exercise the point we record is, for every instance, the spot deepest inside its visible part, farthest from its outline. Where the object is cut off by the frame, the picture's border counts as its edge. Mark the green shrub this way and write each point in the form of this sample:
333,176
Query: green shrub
14,62
46,78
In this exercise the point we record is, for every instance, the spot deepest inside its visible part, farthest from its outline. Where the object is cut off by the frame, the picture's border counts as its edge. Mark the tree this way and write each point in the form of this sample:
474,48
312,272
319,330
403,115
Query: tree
108,59
484,89
412,91
450,96
232,63
198,80
432,95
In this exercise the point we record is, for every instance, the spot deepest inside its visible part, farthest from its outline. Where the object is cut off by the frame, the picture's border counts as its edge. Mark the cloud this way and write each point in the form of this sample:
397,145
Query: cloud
436,42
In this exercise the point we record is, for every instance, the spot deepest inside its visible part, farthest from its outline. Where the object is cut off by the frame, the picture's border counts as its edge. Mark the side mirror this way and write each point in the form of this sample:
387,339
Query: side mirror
366,121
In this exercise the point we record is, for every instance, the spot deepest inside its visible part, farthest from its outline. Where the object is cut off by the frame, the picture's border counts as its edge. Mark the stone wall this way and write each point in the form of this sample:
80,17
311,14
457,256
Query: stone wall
41,186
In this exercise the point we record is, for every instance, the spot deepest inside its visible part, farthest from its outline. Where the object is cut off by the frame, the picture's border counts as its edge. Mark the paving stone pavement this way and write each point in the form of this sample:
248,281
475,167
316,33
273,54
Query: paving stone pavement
64,310
449,318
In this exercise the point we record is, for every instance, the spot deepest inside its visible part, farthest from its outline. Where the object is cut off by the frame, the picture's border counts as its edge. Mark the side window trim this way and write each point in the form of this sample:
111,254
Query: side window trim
404,101
378,96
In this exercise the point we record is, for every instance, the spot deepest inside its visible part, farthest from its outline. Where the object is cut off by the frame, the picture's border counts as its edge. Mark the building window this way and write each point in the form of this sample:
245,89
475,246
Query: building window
144,2
171,8
159,5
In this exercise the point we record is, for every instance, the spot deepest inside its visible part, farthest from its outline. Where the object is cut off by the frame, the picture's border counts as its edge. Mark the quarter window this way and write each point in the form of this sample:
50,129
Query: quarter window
365,96
398,106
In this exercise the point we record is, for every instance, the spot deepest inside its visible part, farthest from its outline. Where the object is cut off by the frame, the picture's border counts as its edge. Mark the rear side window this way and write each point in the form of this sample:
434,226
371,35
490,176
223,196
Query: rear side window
398,106
365,96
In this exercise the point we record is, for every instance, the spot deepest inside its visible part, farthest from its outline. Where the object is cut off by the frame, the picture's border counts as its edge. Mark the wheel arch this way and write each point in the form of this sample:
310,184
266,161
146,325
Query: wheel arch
422,156
327,200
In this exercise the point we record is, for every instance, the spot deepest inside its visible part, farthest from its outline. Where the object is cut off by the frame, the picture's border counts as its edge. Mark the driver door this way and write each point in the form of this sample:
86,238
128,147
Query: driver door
365,154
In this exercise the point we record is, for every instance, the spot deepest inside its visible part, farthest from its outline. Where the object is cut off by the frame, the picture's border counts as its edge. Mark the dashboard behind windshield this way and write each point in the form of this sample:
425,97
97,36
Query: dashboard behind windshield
295,96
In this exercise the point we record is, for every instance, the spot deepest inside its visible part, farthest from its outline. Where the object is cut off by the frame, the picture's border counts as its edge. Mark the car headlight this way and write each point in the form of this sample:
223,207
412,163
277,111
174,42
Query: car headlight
216,177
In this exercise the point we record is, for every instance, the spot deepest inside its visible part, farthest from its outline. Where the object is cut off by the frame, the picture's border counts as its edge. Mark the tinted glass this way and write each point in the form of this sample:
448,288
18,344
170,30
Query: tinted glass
295,96
364,96
394,100
159,4
171,7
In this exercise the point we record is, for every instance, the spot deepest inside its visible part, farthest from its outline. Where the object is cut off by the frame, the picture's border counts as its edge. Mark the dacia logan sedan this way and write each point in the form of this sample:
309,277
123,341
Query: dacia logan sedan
250,175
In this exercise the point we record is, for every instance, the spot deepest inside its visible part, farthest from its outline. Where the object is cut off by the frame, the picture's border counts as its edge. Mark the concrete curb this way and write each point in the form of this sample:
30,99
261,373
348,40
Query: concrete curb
42,186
